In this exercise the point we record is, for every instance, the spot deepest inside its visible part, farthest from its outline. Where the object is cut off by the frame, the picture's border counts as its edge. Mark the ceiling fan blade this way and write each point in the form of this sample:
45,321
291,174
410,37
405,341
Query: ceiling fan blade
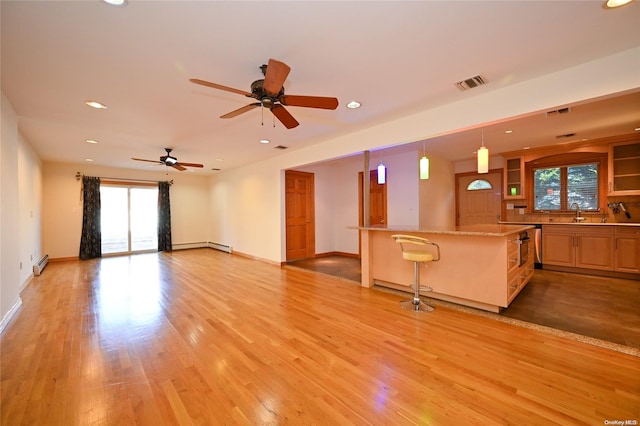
277,73
190,164
149,161
309,101
220,87
283,115
241,110
177,166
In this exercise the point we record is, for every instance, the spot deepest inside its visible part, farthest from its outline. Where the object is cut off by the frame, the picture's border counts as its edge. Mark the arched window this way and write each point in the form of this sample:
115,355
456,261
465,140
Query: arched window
479,184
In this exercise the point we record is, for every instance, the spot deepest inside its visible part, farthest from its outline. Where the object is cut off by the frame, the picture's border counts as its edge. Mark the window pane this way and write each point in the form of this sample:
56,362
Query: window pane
114,218
546,187
582,186
144,219
479,184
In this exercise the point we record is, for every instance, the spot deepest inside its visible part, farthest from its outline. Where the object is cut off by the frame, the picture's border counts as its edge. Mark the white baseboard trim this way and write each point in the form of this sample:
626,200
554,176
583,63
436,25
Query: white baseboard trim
9,316
185,246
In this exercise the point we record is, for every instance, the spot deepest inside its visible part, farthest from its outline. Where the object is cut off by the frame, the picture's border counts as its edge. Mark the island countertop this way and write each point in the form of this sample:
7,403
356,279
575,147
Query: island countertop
486,230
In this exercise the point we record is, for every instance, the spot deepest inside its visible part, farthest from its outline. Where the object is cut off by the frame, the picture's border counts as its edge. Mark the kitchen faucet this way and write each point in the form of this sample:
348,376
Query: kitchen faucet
578,218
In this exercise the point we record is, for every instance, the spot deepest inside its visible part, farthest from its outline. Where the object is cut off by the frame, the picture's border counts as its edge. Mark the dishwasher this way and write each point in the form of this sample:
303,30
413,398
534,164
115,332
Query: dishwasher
537,244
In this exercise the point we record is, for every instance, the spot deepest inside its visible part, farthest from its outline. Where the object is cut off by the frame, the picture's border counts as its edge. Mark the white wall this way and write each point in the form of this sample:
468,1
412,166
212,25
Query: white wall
20,212
258,231
9,256
437,194
29,209
62,218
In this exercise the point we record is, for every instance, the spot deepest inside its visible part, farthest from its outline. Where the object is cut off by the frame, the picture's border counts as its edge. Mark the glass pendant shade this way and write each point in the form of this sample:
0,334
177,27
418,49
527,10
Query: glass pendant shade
424,168
483,160
382,174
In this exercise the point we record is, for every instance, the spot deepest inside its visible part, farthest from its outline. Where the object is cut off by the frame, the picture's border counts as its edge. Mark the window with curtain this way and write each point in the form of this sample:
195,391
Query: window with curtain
557,188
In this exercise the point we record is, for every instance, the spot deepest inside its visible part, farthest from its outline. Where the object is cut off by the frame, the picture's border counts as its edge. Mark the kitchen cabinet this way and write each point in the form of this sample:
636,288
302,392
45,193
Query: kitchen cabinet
518,273
627,249
624,168
578,246
514,178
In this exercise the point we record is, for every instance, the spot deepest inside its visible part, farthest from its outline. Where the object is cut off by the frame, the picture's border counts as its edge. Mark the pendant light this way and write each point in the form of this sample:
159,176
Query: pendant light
424,165
483,157
382,174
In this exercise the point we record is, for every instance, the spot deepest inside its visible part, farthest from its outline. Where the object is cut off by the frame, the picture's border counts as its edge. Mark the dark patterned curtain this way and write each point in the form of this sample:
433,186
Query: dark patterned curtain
91,239
164,217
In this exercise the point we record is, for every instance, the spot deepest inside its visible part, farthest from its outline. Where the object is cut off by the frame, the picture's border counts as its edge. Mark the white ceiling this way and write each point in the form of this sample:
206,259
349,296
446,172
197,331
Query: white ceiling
395,57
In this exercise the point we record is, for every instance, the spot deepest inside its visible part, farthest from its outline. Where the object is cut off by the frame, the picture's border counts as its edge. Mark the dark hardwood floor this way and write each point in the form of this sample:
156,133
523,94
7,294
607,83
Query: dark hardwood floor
597,307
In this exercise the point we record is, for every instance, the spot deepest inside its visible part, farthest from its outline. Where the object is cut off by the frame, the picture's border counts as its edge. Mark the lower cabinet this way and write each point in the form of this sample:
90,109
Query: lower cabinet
627,249
578,246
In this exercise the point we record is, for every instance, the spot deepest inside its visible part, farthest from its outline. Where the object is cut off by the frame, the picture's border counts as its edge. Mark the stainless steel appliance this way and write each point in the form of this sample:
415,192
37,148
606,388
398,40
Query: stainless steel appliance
537,244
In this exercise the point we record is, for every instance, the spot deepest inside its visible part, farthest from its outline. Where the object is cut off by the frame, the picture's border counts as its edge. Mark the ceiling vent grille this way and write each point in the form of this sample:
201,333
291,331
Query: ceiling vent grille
280,147
558,112
565,136
472,82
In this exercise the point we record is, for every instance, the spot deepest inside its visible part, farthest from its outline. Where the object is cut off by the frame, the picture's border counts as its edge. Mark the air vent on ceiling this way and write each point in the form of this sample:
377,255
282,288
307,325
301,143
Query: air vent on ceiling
565,136
558,112
281,147
472,82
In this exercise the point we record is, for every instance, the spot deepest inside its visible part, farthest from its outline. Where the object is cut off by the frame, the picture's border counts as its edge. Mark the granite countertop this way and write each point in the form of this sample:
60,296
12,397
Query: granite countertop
486,230
573,223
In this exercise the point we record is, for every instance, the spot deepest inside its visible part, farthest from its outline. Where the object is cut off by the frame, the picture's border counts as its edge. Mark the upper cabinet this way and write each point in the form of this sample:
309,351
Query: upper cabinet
624,168
514,178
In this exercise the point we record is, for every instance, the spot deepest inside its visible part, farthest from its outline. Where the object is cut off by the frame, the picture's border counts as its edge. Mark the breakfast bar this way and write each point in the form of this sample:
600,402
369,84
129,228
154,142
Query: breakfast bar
481,266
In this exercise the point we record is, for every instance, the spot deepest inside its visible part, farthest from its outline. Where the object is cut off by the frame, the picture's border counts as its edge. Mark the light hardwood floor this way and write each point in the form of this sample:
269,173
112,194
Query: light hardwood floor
203,337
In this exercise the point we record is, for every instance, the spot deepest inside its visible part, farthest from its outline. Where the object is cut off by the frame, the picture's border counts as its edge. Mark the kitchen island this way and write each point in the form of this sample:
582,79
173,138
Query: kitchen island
481,266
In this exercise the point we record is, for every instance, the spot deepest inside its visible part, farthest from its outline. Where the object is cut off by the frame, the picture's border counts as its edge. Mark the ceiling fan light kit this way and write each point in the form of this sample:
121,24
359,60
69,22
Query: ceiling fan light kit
170,161
269,92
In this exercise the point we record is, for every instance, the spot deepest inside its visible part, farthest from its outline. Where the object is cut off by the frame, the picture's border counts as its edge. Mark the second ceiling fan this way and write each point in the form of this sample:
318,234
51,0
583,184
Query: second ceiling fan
270,94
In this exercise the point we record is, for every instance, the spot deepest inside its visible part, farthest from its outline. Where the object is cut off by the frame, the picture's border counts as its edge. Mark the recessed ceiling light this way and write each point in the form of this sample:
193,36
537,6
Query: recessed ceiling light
637,129
527,147
91,141
88,160
508,132
116,2
353,105
96,105
265,141
612,4
220,159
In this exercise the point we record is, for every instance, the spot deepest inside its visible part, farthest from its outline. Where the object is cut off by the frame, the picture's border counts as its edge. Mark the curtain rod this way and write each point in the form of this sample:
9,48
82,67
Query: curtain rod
80,175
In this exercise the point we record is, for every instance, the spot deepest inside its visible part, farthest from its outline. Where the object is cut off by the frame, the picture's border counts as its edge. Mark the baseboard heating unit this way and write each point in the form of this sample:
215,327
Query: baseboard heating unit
221,247
39,266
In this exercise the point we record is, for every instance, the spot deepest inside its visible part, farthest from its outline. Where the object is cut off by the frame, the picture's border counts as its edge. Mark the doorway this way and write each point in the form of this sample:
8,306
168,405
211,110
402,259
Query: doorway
479,198
129,219
377,199
300,215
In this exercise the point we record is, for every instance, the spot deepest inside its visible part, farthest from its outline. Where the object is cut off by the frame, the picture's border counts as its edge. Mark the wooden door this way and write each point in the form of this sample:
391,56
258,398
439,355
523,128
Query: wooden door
479,205
627,254
377,199
300,215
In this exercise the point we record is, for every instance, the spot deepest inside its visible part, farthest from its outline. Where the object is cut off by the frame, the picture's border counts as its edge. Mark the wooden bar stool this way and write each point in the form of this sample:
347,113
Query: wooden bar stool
417,257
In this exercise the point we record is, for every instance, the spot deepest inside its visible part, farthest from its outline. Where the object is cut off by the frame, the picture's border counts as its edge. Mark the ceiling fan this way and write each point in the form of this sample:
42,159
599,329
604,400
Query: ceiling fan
270,94
168,160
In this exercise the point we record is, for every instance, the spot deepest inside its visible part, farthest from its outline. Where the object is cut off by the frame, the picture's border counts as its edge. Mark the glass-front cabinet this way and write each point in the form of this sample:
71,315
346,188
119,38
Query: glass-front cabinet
513,178
624,168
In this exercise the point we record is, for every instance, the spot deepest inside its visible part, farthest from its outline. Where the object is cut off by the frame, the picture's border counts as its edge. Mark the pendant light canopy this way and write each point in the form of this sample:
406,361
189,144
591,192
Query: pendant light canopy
382,174
483,157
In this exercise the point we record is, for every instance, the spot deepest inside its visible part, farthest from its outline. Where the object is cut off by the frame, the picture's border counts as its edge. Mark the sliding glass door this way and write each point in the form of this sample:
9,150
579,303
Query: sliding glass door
129,219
